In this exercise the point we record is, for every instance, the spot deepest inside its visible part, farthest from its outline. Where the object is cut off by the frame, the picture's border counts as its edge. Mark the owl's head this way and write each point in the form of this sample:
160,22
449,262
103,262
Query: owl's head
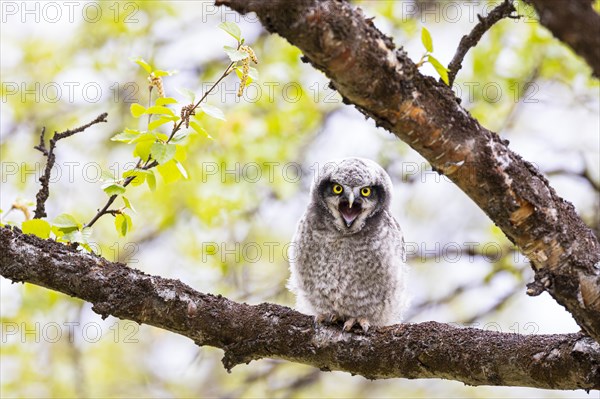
351,192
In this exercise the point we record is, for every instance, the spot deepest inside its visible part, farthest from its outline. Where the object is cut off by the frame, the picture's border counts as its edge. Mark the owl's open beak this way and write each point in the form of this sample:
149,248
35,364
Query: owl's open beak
349,212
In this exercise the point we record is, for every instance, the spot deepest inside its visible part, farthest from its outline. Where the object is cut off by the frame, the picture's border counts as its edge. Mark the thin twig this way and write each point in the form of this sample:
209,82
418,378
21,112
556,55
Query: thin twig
44,192
41,146
112,198
496,306
223,76
516,106
505,9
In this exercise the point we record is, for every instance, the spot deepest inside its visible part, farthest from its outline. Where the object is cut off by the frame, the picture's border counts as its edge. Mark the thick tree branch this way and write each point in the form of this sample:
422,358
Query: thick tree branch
503,10
245,332
575,23
384,84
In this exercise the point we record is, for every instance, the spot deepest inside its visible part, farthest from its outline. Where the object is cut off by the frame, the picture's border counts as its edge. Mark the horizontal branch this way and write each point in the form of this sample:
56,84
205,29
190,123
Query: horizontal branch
576,24
245,332
383,83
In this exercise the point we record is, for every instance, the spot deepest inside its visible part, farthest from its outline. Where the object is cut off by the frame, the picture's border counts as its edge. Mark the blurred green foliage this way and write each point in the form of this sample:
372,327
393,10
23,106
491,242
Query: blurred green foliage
204,229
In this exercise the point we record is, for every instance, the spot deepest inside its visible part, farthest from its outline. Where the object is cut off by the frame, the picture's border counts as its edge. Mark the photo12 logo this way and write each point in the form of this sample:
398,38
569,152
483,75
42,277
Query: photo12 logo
55,12
53,332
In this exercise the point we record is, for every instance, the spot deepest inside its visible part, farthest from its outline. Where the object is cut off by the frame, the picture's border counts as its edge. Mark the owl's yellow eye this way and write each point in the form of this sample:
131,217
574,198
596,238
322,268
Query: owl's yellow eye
337,189
365,191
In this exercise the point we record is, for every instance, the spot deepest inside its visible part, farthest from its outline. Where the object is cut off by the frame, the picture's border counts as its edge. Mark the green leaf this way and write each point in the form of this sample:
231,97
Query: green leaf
212,111
200,130
188,94
179,138
234,54
66,222
127,136
72,236
163,153
165,101
143,64
169,171
79,236
426,40
123,224
441,70
180,153
159,110
57,232
151,137
113,189
181,169
108,176
120,225
160,73
142,149
138,178
253,73
138,174
156,123
86,246
232,29
38,227
127,203
137,110
151,180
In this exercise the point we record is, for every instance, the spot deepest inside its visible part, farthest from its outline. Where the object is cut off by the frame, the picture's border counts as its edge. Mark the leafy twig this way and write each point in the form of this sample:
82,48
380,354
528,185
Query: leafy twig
151,163
505,9
223,76
112,198
44,192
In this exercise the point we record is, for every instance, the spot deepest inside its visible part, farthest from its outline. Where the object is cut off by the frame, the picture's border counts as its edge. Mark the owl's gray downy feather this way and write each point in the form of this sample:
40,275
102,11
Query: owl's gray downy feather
349,263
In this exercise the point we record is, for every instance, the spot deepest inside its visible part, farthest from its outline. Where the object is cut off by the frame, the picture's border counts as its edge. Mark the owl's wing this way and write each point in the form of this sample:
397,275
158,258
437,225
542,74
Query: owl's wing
295,251
399,238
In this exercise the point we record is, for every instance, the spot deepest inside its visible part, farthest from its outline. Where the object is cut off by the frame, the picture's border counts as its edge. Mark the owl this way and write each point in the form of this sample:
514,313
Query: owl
347,258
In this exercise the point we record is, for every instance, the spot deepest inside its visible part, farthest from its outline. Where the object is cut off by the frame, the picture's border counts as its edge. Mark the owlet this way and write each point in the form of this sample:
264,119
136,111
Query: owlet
347,257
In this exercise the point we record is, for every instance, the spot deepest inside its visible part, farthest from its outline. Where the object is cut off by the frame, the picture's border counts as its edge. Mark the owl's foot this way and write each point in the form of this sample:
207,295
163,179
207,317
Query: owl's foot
328,318
363,322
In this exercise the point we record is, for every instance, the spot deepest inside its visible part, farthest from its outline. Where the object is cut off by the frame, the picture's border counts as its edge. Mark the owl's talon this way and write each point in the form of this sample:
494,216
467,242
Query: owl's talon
349,324
327,318
364,323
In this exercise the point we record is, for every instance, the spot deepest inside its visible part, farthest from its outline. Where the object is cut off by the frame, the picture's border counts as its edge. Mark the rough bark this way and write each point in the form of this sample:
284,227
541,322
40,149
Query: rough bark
383,83
575,23
245,332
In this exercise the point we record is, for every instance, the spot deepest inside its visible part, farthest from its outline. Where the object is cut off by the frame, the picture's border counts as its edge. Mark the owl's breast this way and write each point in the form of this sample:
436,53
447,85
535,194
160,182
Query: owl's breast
334,265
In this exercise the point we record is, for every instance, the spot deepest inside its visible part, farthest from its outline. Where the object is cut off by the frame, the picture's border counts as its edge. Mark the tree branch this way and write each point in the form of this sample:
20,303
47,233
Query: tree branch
44,192
385,85
505,9
576,24
246,333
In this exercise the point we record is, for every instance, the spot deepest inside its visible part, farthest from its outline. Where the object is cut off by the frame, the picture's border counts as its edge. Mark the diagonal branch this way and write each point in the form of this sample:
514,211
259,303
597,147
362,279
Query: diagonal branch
44,192
246,333
505,9
575,23
384,84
